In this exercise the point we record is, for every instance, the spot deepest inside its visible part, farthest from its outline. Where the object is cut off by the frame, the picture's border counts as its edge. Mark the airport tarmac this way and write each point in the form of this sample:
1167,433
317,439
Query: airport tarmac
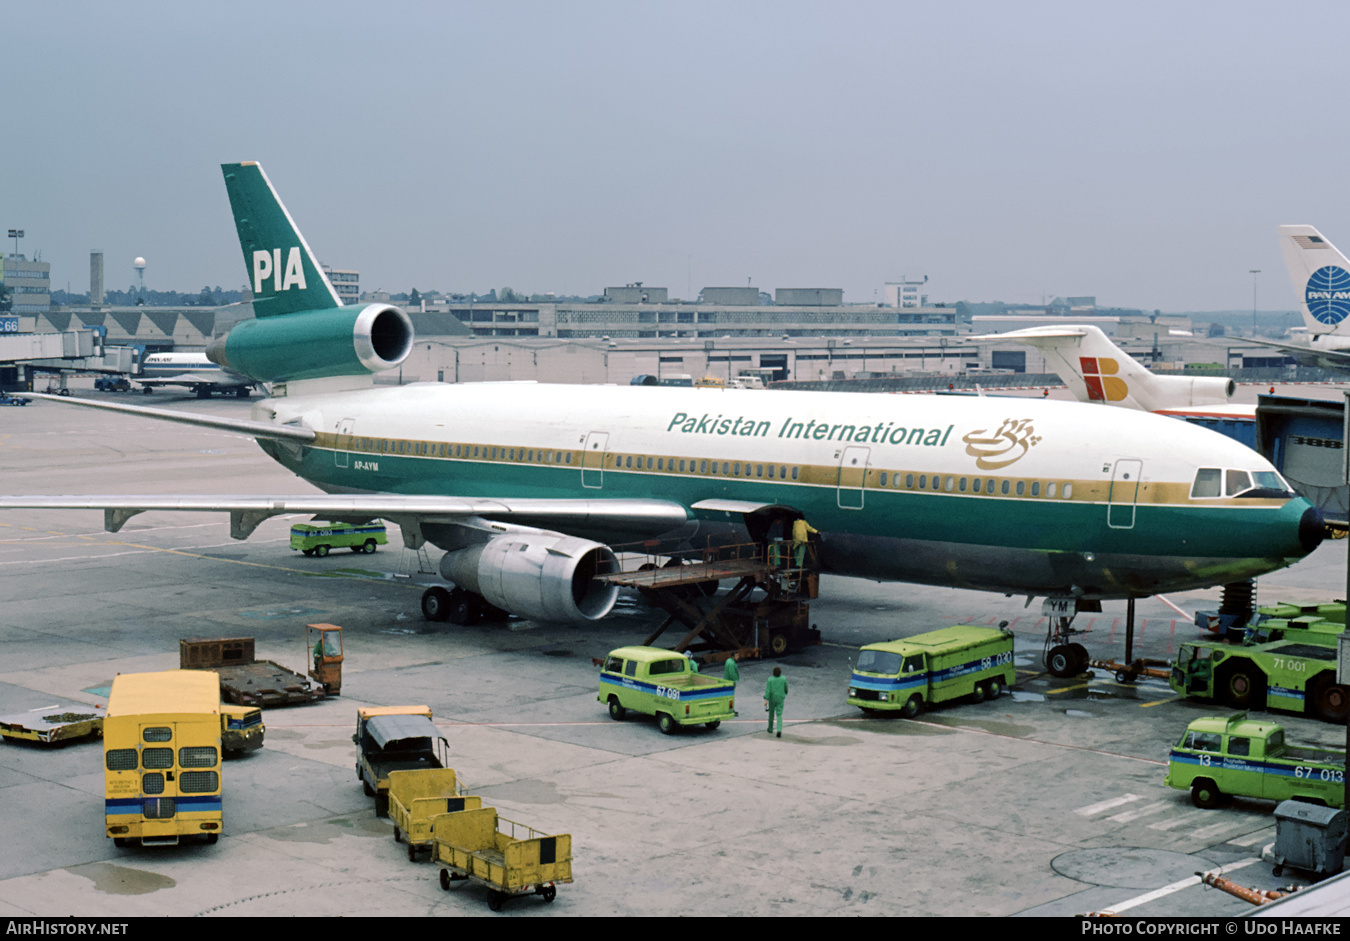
1048,801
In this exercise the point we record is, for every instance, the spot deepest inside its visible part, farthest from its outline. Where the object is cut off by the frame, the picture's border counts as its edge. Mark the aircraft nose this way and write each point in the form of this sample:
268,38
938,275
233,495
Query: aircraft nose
1312,529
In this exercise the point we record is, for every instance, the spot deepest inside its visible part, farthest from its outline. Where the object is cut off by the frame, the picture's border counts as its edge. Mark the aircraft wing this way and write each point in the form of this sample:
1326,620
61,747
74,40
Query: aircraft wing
640,517
1326,359
254,429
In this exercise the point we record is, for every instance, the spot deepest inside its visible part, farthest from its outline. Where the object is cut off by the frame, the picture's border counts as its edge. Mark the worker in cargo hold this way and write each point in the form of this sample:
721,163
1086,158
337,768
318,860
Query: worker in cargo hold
801,535
775,691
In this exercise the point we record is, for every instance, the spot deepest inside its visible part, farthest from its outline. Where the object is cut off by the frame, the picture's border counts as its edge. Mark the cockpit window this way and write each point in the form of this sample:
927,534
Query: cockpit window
1213,482
1236,482
1208,481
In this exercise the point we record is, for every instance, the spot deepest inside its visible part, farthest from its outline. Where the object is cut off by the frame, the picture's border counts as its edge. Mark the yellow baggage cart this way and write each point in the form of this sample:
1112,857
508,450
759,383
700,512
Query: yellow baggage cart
509,858
415,797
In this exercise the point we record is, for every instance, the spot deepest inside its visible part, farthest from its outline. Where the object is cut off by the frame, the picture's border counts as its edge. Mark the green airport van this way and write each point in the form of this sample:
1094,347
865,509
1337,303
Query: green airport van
318,539
662,683
904,675
1220,757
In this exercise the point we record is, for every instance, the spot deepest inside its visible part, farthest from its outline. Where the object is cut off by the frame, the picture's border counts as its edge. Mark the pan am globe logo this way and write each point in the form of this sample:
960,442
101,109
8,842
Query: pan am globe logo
1327,295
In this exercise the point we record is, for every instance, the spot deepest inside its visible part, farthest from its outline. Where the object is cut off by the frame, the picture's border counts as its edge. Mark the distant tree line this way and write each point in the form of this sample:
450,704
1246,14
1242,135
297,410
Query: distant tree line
206,297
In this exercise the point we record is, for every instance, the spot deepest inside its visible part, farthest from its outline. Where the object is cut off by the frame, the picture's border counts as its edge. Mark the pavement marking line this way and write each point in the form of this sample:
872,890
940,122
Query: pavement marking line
1159,702
1254,838
1174,887
1140,812
1018,738
1181,821
1097,808
1214,829
1068,689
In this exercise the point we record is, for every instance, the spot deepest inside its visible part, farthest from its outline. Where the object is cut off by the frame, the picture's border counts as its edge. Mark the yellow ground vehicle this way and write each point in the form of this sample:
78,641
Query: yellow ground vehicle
509,858
161,758
241,729
395,738
415,797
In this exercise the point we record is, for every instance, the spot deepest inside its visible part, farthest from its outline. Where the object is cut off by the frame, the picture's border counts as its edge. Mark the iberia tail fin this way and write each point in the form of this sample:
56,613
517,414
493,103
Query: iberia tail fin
1096,370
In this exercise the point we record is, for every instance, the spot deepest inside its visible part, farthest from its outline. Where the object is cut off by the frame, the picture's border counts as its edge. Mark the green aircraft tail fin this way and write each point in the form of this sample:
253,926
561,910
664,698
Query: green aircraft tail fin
283,273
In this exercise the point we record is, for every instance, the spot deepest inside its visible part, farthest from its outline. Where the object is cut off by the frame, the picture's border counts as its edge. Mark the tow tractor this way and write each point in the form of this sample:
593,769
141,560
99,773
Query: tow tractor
325,644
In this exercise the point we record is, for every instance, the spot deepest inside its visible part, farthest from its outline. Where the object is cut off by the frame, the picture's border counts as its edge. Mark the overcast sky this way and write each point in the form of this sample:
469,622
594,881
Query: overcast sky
1141,151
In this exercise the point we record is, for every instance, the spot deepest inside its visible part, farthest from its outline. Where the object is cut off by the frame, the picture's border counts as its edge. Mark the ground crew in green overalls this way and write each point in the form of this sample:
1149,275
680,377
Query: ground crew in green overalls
730,671
775,691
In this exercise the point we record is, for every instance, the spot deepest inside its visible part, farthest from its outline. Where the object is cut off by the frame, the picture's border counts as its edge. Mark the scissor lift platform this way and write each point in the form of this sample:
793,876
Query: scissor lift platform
735,622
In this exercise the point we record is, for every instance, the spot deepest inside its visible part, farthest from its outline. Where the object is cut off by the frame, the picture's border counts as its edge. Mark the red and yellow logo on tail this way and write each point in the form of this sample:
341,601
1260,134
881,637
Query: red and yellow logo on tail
1099,372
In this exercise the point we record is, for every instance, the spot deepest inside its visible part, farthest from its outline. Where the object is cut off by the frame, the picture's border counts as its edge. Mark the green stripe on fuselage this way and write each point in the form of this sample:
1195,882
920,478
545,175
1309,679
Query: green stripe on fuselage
1032,523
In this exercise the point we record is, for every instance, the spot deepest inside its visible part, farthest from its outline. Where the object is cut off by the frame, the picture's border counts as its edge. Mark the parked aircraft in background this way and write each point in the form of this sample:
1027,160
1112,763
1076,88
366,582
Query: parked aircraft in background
1098,371
528,487
192,371
1321,276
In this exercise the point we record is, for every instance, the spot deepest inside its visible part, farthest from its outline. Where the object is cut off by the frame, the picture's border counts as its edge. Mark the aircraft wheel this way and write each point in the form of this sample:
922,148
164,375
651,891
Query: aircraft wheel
436,603
1081,657
1061,662
465,607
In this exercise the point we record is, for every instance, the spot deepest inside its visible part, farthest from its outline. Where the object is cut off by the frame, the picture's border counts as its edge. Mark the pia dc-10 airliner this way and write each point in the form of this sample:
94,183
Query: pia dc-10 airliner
527,486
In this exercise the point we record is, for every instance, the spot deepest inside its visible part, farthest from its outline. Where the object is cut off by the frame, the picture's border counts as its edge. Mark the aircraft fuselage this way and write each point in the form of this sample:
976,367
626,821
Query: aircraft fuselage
1018,496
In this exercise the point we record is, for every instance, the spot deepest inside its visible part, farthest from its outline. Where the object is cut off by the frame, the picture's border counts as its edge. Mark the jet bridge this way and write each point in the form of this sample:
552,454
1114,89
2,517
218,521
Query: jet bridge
62,353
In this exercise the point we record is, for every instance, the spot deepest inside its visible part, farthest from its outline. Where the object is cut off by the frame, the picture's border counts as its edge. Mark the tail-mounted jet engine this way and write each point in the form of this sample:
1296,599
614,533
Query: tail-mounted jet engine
543,576
335,341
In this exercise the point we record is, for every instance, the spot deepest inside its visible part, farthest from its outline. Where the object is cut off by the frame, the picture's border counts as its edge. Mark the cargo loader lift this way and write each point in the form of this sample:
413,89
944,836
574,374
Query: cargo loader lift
772,625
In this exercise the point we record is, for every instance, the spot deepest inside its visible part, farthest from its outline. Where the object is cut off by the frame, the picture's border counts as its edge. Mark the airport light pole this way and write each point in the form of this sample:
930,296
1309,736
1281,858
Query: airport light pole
16,234
1254,272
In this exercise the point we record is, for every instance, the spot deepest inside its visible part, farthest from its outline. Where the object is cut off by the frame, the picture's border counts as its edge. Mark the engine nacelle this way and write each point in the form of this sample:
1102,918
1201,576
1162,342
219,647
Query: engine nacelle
1200,390
537,575
313,344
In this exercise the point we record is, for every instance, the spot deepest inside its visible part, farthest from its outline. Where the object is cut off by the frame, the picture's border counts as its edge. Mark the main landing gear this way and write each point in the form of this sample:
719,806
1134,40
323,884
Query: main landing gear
1061,657
459,606
1065,658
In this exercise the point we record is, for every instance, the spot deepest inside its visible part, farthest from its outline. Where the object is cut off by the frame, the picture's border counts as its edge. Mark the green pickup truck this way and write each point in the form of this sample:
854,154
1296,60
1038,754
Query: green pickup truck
1220,757
319,539
663,683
